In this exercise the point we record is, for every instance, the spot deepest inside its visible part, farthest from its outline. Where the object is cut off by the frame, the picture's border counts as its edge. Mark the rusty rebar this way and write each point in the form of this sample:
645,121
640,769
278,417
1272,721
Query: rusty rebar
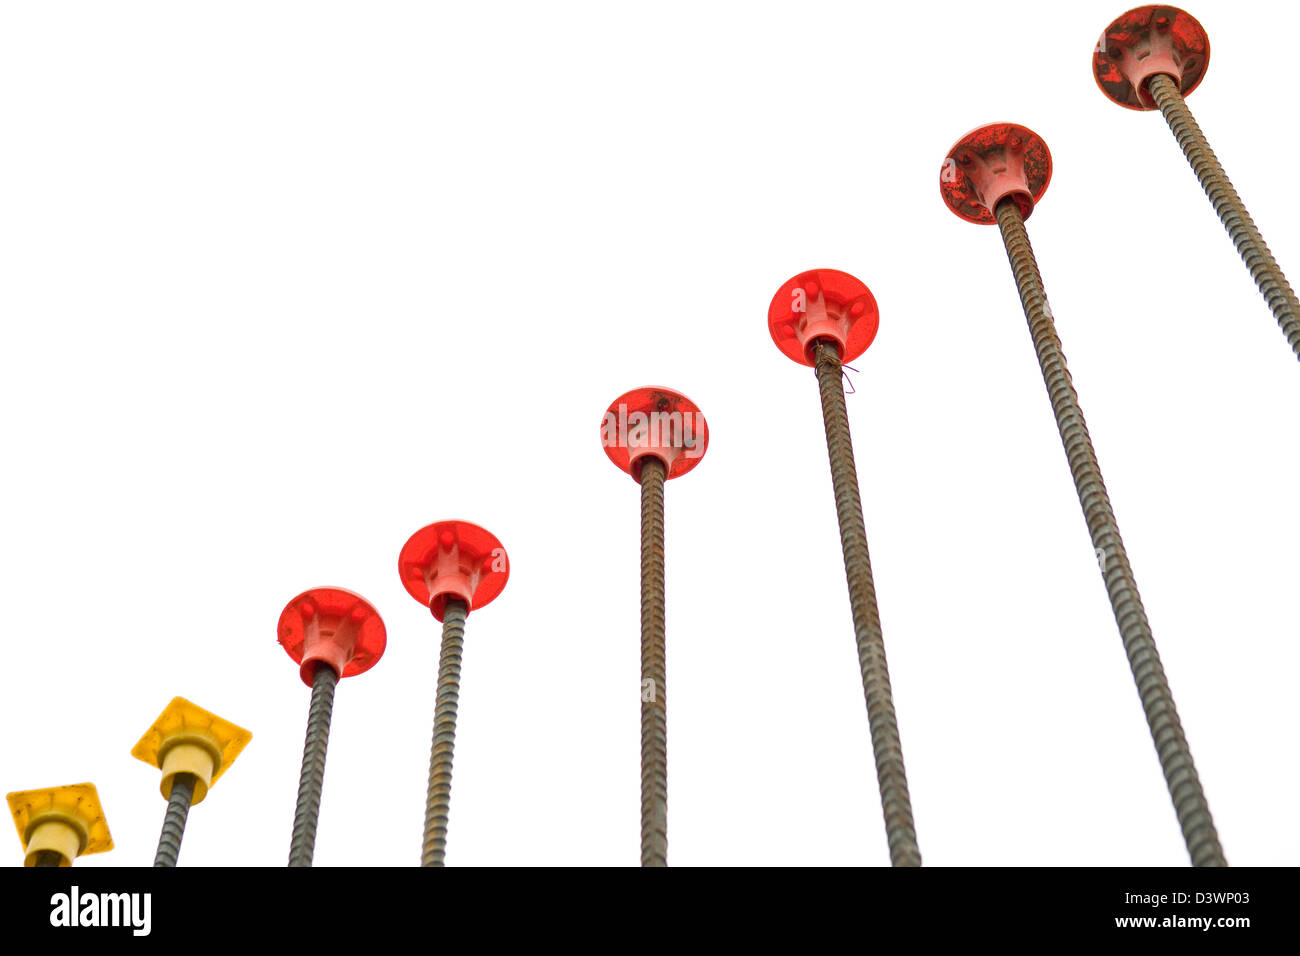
892,776
654,700
438,801
1241,228
311,779
1144,660
173,828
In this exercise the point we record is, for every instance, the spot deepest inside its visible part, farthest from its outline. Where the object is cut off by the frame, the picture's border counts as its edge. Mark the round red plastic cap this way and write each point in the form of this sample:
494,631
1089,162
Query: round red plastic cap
992,163
453,559
334,627
658,422
823,304
1146,41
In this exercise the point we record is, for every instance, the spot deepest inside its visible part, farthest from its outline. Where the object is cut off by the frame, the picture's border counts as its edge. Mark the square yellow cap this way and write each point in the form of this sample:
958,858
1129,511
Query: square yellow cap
76,805
183,721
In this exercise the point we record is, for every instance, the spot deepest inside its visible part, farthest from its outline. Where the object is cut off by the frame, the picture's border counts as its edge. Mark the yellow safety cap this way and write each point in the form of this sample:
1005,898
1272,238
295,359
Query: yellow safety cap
67,820
188,739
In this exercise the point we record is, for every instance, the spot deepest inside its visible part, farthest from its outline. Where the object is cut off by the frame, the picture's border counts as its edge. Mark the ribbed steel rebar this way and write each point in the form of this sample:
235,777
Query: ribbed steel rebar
654,699
173,828
894,798
438,802
1250,244
1157,700
312,777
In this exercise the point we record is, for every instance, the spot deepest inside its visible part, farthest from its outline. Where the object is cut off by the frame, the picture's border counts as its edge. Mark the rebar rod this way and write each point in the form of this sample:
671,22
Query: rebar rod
438,802
1241,228
895,800
1144,660
173,828
311,779
654,700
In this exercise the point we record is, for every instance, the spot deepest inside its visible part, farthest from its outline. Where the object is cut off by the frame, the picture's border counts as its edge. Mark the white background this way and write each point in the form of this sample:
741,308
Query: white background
282,282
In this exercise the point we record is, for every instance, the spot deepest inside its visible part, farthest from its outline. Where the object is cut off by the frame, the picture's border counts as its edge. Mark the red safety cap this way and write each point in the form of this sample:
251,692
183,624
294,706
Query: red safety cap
992,163
1146,41
658,422
453,559
334,627
823,304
